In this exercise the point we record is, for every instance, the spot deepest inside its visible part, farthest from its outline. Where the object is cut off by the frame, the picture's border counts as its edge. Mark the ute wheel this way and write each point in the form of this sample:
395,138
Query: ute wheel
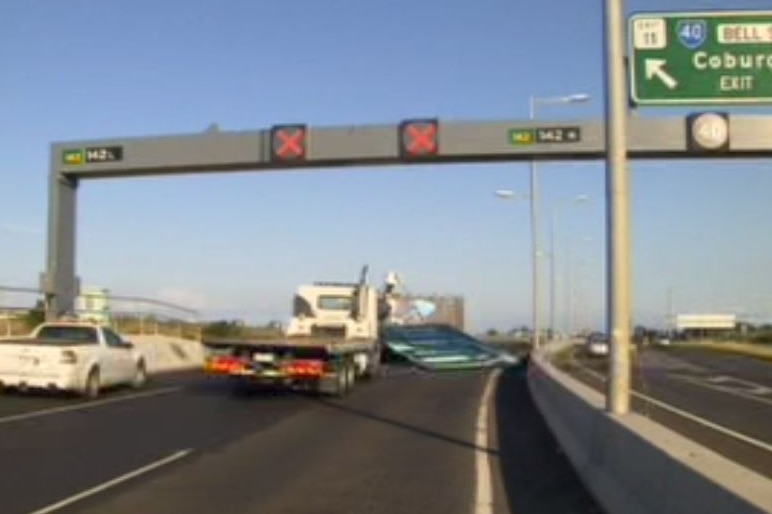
140,376
93,386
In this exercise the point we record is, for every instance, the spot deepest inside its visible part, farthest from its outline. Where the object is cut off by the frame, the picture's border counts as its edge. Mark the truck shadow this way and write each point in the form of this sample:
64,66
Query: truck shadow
402,425
216,387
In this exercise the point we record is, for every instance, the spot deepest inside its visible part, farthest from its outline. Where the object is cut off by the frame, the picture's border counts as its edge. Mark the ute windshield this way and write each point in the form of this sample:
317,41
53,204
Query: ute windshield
69,333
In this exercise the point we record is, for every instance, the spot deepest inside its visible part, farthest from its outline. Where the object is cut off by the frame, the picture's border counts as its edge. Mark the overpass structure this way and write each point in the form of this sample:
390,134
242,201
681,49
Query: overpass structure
294,147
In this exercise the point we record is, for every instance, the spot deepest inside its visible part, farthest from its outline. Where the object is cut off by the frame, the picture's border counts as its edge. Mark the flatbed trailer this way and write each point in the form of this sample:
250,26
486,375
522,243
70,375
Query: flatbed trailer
326,365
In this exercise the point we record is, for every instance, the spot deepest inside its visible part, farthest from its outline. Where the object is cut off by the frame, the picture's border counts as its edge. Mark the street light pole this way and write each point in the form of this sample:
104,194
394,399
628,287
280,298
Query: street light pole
535,248
535,221
569,288
554,255
574,281
553,266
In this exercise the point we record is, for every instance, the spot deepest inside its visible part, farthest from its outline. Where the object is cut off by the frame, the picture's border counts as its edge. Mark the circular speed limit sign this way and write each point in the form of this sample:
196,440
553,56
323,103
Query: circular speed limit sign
709,131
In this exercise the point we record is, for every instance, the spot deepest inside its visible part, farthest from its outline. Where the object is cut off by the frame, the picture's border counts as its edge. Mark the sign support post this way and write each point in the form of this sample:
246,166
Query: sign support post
617,212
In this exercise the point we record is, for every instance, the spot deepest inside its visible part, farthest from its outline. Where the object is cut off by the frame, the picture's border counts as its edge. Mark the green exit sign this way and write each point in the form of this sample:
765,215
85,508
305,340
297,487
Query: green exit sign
692,58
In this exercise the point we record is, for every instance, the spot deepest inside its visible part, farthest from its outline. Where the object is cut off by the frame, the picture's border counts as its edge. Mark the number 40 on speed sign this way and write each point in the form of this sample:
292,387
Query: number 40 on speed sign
707,132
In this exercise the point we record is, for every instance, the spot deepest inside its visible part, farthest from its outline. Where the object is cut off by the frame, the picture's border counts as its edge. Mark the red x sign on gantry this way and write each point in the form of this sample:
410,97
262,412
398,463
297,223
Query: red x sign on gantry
418,138
288,142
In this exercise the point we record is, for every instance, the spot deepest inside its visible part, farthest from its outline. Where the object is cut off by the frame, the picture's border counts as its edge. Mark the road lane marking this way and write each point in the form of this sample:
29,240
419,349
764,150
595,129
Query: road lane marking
691,417
734,392
115,481
86,405
484,489
750,387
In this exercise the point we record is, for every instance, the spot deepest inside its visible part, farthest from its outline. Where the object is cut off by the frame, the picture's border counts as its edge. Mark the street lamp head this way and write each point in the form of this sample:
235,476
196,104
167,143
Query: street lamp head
581,198
578,98
505,193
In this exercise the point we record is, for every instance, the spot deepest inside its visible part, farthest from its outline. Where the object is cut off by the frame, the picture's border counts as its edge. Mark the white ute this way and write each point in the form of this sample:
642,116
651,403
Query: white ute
71,356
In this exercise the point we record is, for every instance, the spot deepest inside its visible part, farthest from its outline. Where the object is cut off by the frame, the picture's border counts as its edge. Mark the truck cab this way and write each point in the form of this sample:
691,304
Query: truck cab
345,310
331,340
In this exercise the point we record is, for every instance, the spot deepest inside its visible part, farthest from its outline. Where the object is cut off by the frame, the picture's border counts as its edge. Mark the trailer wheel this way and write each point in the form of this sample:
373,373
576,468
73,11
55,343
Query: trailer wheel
343,380
336,385
351,374
373,366
339,384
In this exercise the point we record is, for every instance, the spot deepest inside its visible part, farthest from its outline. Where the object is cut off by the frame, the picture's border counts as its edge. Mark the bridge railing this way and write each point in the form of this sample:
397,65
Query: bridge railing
130,315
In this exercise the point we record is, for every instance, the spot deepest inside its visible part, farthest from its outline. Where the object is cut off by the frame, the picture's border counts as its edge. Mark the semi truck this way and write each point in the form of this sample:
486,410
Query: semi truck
331,341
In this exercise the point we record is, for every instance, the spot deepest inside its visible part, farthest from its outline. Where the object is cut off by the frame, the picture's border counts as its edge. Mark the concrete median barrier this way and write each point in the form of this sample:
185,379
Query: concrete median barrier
165,353
636,466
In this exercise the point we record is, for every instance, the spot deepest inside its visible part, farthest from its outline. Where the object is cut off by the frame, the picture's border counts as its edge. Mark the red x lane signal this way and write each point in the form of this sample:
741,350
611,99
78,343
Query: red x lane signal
288,142
419,138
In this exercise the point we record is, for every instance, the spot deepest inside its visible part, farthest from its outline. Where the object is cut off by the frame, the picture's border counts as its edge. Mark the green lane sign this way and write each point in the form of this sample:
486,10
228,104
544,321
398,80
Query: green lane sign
693,58
72,157
78,156
529,136
521,136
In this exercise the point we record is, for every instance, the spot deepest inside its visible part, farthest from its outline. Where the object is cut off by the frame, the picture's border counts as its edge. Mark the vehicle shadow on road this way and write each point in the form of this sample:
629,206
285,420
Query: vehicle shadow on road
238,391
354,411
536,475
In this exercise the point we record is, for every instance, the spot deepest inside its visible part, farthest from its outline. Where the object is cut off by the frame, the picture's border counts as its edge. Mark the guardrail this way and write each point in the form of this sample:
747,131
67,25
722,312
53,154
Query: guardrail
636,466
131,315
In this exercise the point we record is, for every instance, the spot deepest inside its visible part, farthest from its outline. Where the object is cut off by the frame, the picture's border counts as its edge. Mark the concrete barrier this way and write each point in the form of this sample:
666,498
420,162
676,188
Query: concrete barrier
165,353
636,466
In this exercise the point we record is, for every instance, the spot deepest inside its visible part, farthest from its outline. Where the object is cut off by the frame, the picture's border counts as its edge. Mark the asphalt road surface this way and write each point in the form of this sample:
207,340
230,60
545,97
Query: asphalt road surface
404,443
732,393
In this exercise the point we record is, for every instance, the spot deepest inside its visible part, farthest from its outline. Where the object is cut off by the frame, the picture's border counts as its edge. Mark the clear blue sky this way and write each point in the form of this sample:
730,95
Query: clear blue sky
238,244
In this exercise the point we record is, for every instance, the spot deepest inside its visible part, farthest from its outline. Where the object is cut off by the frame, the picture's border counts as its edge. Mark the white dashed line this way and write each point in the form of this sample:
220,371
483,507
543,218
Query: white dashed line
86,405
112,483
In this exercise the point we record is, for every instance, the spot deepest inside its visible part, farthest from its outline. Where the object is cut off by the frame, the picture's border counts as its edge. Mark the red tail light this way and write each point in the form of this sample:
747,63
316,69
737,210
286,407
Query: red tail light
69,357
303,368
224,364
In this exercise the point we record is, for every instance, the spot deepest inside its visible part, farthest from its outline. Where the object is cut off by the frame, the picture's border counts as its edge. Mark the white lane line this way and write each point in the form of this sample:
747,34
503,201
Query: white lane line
691,417
723,379
484,490
112,483
87,405
734,392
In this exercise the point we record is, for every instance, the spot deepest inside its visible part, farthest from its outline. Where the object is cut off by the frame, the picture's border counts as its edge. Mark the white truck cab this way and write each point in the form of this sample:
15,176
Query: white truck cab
349,311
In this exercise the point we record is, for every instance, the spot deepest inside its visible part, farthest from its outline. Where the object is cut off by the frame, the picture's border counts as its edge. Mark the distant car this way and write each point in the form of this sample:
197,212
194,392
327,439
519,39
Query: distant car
597,344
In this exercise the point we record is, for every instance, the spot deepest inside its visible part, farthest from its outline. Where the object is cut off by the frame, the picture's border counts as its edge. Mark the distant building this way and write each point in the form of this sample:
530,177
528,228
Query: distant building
705,324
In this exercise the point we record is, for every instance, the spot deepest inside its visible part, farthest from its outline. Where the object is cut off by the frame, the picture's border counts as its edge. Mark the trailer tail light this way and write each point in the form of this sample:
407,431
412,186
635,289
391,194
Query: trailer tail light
224,364
69,357
303,368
